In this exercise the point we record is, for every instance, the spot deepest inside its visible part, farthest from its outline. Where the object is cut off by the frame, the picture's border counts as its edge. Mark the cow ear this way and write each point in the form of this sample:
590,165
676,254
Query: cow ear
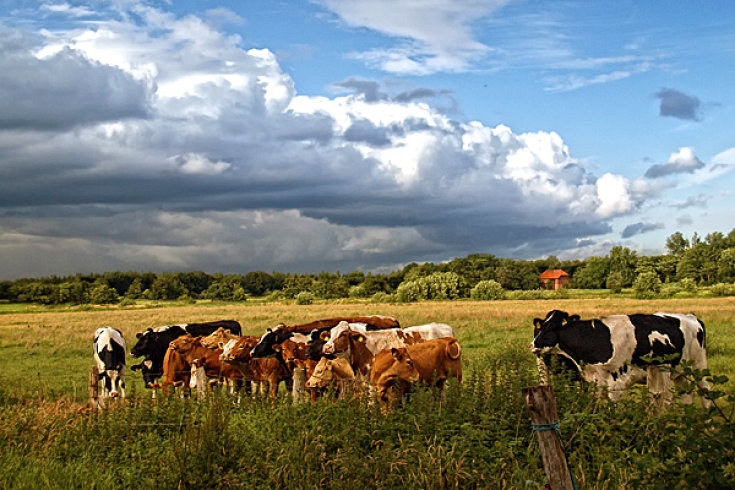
360,338
325,335
139,334
277,348
537,322
574,318
396,354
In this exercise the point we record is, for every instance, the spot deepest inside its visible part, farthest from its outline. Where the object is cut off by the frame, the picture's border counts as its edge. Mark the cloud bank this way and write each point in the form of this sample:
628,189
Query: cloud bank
163,144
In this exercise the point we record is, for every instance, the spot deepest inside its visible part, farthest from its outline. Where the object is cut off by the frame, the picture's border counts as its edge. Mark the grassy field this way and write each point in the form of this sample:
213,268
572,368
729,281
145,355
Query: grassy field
481,438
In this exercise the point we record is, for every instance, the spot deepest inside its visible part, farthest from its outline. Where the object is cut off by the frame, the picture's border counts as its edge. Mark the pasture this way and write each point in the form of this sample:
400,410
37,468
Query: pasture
481,438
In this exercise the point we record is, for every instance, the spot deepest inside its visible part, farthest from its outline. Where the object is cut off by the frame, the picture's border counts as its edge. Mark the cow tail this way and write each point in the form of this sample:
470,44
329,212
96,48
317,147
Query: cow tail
454,350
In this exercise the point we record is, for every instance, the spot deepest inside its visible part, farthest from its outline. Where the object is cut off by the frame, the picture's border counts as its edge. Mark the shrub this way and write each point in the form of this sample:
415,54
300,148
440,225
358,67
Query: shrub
103,295
722,289
358,292
382,297
276,296
615,282
528,294
408,292
304,298
647,285
487,290
689,285
670,290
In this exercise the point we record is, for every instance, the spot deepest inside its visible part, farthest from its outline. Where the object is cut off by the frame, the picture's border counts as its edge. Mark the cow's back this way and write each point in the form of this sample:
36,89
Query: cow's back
437,359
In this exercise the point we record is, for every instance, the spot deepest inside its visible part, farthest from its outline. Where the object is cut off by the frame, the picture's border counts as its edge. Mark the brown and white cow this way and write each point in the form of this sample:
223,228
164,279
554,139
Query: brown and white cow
281,332
237,353
345,338
192,350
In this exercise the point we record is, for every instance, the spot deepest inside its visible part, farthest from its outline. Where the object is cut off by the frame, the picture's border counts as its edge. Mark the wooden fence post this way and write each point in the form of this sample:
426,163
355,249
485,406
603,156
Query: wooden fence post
541,404
299,378
201,381
94,389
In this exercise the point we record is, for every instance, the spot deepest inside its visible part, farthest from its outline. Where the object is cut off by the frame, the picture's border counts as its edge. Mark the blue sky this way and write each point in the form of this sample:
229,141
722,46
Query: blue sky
230,136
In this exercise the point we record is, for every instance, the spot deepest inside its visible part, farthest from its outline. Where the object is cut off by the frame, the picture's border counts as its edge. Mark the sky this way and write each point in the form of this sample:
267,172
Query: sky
339,135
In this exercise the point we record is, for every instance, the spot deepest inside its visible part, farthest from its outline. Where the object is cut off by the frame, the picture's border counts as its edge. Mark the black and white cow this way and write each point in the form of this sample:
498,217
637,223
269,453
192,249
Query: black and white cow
153,343
109,354
614,351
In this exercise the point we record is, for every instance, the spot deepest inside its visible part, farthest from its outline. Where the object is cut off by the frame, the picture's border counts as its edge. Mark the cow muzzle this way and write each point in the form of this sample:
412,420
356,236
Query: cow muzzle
328,349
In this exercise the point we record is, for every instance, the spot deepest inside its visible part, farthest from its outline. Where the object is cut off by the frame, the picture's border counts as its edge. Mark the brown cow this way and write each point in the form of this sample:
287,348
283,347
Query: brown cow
437,360
434,360
329,373
218,338
392,374
195,353
272,370
176,371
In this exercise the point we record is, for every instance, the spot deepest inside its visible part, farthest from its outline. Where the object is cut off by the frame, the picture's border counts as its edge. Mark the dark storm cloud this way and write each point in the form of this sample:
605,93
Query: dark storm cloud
230,170
678,104
63,90
638,228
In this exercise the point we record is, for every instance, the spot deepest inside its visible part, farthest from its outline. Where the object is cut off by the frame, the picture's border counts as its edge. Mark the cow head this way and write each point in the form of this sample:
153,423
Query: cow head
339,331
184,344
328,371
145,340
264,347
545,332
236,351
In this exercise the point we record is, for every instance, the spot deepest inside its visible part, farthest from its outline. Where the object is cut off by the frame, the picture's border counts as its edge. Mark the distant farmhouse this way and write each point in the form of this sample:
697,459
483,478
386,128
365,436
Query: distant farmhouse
554,279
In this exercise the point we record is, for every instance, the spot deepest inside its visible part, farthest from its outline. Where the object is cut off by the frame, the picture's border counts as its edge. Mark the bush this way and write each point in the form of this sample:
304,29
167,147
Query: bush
304,298
528,294
647,285
276,296
408,292
487,290
670,290
722,289
358,292
689,285
103,295
382,297
615,282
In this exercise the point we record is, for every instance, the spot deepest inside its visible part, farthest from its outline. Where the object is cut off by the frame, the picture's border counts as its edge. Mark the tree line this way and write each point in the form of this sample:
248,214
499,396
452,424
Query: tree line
689,262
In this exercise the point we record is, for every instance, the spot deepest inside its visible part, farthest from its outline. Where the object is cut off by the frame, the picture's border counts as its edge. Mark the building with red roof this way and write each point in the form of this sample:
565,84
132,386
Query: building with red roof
554,279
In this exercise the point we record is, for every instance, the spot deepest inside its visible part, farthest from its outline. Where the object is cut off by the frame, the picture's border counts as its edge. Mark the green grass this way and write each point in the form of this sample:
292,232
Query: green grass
480,439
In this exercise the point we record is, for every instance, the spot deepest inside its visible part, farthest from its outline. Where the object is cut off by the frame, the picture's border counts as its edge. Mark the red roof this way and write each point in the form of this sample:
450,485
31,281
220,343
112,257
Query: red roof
553,274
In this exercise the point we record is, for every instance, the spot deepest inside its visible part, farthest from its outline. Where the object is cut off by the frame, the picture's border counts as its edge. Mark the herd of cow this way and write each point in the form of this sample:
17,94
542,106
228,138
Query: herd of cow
613,352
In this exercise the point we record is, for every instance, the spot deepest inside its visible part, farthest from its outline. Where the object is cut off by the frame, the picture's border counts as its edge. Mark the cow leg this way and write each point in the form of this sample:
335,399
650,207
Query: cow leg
659,385
122,382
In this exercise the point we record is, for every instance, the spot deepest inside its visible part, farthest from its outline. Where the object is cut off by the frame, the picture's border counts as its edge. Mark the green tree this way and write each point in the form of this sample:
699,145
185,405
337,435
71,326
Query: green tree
726,265
513,274
167,287
593,274
135,291
676,244
615,282
647,285
102,294
623,260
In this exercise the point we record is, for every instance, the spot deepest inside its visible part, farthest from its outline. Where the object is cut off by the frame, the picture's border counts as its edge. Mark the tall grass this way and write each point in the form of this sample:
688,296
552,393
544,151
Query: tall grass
481,437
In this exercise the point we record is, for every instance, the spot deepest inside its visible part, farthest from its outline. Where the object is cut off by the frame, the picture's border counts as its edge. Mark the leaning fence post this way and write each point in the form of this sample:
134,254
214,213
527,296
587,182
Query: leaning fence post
299,375
94,389
541,404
